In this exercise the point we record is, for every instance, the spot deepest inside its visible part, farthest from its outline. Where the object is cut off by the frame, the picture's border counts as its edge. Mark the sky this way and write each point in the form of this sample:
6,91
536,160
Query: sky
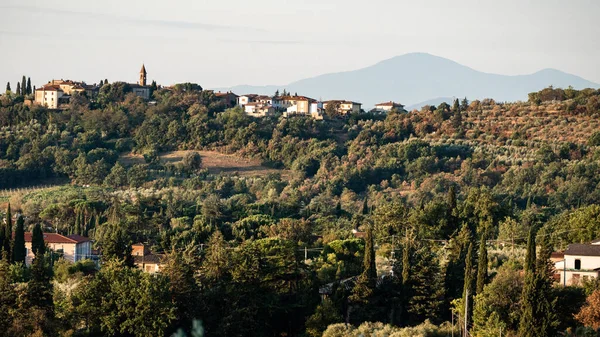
260,42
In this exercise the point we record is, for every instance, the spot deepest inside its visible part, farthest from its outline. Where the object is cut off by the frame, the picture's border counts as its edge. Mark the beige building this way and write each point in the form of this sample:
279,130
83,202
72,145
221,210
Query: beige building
293,104
141,89
49,96
58,92
344,107
72,248
256,109
146,260
229,99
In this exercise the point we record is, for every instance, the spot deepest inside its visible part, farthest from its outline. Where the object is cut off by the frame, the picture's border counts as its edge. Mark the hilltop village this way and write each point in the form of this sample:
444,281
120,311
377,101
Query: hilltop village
56,94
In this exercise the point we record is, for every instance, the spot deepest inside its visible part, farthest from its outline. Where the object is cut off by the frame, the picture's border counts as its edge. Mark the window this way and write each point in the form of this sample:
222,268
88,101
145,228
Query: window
577,264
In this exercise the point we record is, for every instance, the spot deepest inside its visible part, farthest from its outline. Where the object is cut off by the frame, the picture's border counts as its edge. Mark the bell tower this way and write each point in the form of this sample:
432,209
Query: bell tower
143,76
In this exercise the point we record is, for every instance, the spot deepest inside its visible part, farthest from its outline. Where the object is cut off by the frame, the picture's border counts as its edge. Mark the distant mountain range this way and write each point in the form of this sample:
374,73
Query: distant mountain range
418,78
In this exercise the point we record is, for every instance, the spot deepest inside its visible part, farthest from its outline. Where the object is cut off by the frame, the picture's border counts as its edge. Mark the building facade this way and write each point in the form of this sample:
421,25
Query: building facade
386,107
580,262
344,107
72,248
146,260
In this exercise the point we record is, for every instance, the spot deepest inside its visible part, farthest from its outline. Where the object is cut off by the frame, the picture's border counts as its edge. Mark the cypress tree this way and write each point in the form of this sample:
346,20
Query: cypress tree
406,264
105,81
537,307
530,258
364,288
29,91
18,89
19,242
527,325
482,266
2,239
24,86
78,220
8,87
39,288
338,208
38,246
369,262
8,234
468,290
365,207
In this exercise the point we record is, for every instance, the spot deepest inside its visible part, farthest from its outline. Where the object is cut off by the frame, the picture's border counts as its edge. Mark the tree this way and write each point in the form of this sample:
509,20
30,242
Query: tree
464,104
325,315
38,246
500,298
18,92
111,302
39,288
468,288
24,86
29,90
192,161
365,285
117,176
482,266
115,242
19,242
332,109
365,207
216,261
8,234
537,304
456,106
8,87
179,268
589,315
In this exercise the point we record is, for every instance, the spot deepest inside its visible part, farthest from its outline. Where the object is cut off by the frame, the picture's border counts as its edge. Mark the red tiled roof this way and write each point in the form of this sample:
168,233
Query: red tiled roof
390,103
50,87
57,238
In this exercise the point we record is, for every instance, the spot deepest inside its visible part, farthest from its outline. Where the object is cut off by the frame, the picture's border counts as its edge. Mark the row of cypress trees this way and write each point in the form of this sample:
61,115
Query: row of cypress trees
12,247
23,88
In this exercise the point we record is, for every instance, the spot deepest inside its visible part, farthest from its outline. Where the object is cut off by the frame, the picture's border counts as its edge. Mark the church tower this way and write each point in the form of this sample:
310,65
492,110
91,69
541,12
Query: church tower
143,76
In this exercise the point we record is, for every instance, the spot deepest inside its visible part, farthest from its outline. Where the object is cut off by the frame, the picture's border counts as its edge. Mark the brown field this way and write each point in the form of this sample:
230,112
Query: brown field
215,162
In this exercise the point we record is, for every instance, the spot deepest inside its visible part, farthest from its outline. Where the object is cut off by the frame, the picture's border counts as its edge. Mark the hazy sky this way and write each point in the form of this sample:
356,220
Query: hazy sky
259,42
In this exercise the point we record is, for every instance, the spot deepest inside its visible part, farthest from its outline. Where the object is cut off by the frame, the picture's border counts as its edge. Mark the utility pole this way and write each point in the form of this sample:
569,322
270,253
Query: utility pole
466,312
393,260
305,254
452,324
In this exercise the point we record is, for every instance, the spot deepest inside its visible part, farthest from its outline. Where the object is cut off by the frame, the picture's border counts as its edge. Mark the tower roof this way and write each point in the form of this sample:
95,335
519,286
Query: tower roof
143,71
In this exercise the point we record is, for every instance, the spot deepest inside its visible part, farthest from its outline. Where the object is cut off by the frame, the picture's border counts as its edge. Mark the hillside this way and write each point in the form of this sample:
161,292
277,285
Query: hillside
419,77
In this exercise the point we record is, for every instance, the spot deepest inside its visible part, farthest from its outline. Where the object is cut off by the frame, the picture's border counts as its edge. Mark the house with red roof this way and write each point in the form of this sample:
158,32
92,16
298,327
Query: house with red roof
72,247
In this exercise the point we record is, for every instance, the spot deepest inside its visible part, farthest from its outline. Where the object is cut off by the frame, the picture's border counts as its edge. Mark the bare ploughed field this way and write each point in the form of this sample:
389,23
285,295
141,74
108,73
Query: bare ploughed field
215,162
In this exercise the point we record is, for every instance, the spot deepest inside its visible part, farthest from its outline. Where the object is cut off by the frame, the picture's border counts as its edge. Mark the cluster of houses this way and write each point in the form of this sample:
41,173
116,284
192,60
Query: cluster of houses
76,248
57,93
261,106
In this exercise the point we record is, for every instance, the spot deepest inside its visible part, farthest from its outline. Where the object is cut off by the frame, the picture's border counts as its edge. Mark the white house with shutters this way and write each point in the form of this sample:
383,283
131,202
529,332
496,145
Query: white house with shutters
580,262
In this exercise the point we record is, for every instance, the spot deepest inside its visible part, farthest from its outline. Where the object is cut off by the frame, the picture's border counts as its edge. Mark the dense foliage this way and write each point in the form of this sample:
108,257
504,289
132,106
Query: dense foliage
386,218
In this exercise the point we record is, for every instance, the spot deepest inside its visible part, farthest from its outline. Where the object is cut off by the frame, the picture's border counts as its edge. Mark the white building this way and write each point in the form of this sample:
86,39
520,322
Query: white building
256,109
386,107
245,99
581,262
